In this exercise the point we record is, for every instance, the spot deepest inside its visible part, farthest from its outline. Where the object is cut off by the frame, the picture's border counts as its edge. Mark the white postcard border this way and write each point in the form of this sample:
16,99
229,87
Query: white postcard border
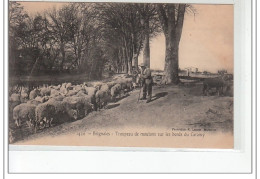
150,160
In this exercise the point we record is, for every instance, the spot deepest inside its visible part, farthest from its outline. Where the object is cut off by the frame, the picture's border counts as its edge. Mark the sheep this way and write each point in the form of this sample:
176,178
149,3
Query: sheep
78,88
73,113
24,112
111,84
54,93
135,85
58,105
45,91
81,94
58,113
58,98
42,99
25,90
24,97
14,97
33,102
217,83
44,114
55,87
129,85
104,87
61,111
68,85
34,93
82,104
71,93
115,90
14,100
102,98
91,91
63,85
97,85
64,90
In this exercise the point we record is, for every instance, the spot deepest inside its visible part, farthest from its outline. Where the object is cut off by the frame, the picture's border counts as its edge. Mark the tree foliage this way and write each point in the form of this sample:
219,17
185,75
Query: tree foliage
90,38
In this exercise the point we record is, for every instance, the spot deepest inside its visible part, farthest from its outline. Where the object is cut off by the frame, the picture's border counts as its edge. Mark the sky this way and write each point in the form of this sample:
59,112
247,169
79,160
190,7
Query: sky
207,40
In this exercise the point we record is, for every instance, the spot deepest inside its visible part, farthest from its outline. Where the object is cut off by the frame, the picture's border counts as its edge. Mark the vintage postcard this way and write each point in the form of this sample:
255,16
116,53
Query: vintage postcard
113,74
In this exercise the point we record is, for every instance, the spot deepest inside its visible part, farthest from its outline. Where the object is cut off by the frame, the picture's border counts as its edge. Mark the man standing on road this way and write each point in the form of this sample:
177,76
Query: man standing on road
147,82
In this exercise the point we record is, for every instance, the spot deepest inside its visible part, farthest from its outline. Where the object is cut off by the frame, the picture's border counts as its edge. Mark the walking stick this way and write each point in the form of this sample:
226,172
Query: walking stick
141,86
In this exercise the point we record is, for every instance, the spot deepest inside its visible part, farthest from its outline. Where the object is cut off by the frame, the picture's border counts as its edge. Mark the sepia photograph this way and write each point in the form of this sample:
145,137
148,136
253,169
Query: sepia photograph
110,74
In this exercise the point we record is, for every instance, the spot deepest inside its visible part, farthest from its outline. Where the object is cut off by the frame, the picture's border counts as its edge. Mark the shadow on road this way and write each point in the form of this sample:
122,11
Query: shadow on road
120,98
110,106
159,95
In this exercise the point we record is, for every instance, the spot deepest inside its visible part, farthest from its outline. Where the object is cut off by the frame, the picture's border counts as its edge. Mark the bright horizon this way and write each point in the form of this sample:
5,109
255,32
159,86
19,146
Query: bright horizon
206,42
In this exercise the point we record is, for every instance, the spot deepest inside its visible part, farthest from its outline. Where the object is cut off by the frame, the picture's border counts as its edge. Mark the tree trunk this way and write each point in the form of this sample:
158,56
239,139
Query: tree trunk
135,60
130,67
146,52
171,56
124,64
171,64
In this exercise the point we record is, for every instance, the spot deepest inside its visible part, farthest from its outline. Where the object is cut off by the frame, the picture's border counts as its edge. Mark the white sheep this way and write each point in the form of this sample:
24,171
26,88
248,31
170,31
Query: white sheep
78,88
71,93
55,87
14,100
62,113
64,85
34,93
97,84
24,97
115,90
42,99
104,87
102,98
58,113
54,93
90,91
44,114
45,91
24,113
81,93
111,84
64,90
82,104
14,97
60,107
58,98
68,85
33,102
25,90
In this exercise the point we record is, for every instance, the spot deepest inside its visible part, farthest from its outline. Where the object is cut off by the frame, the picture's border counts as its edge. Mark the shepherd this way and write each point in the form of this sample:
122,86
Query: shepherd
147,82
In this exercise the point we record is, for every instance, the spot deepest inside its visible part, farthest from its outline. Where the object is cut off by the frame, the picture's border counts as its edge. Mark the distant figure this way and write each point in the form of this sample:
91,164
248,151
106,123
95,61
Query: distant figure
147,82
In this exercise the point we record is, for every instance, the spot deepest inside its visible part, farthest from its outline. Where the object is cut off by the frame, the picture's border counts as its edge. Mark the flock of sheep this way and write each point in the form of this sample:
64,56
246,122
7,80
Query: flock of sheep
44,106
55,104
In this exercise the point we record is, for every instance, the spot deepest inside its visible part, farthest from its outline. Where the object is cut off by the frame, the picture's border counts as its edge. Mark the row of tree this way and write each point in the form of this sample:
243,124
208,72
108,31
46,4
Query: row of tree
93,37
